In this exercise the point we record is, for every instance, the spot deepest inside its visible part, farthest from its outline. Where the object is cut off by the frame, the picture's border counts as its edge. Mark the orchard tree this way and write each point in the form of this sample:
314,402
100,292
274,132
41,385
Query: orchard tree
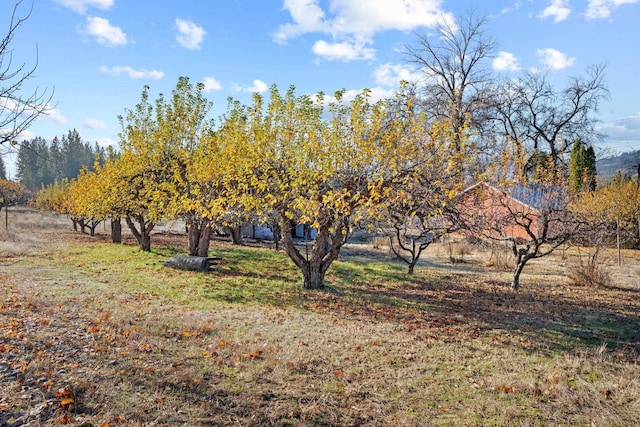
86,201
51,197
422,208
616,206
140,168
11,193
183,128
534,219
158,144
320,172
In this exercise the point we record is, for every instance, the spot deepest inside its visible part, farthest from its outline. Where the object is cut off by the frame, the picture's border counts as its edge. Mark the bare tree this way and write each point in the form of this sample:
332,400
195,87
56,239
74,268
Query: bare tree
459,86
18,110
536,117
533,220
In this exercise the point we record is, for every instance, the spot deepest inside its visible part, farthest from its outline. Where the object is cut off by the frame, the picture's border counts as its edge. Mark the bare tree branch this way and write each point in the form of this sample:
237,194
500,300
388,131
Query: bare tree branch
18,110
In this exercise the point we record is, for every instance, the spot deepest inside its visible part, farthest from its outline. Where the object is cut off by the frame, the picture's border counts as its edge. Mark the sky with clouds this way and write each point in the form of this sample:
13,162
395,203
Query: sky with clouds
97,55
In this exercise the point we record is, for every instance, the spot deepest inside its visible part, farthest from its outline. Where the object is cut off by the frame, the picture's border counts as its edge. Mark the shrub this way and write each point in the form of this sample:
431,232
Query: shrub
590,272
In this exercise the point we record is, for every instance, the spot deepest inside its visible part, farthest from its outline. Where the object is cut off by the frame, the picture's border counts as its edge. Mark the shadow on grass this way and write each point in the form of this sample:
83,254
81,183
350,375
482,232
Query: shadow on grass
446,305
457,308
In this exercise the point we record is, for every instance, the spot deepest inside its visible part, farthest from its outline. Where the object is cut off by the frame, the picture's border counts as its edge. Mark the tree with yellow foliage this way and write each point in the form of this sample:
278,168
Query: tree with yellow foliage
612,208
158,143
11,193
422,206
322,172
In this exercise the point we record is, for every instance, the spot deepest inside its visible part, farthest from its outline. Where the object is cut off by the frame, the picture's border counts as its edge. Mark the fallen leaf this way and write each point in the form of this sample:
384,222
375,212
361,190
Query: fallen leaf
67,401
64,393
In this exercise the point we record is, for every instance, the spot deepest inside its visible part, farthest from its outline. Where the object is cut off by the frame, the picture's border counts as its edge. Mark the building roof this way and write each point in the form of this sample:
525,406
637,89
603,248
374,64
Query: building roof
535,196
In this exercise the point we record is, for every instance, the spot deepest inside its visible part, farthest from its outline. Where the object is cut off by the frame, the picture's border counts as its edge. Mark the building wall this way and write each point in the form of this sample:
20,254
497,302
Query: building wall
499,215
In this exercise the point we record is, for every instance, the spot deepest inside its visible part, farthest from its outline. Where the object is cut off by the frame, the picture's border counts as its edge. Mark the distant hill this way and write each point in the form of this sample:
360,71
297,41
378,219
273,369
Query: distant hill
627,162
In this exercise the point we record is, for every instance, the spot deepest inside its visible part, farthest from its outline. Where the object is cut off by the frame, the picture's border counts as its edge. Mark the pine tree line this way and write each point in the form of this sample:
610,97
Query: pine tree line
40,163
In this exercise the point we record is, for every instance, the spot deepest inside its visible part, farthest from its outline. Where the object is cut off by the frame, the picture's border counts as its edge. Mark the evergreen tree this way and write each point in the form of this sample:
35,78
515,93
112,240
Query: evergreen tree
590,168
3,169
27,163
576,167
57,158
582,168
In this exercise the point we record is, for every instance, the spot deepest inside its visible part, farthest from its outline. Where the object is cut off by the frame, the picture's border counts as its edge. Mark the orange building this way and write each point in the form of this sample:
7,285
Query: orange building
508,214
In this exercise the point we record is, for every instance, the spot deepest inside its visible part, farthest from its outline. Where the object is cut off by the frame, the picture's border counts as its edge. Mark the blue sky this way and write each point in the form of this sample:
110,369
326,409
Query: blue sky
98,54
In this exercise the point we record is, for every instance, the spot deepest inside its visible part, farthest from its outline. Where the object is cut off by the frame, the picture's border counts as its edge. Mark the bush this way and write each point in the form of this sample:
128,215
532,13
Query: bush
501,258
457,252
590,272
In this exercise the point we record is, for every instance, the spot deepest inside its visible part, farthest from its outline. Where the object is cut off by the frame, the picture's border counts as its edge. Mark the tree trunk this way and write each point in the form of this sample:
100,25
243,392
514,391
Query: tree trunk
618,243
144,235
325,250
313,276
412,265
93,224
199,237
116,230
515,283
522,255
236,235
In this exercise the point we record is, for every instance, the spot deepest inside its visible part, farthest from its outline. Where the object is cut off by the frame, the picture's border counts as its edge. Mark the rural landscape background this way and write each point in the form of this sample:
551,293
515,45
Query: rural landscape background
100,334
442,242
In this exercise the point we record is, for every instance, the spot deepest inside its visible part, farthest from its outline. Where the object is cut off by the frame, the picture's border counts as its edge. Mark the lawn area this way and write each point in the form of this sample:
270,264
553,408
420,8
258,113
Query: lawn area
97,334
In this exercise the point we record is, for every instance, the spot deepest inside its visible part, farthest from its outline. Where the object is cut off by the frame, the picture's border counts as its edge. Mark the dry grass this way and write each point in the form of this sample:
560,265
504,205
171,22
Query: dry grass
133,343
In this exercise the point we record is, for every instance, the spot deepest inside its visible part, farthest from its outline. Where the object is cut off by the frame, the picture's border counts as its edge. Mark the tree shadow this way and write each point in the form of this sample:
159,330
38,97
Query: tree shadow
457,308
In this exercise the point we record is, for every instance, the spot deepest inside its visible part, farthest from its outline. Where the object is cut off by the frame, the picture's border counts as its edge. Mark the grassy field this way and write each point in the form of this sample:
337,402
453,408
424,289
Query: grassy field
96,334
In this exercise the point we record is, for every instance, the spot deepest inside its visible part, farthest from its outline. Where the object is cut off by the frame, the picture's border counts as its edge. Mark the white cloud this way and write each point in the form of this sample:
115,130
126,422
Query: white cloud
308,17
258,86
133,73
81,6
95,124
599,9
554,59
505,61
55,115
211,84
190,35
391,74
352,23
558,10
625,129
104,32
343,51
352,17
